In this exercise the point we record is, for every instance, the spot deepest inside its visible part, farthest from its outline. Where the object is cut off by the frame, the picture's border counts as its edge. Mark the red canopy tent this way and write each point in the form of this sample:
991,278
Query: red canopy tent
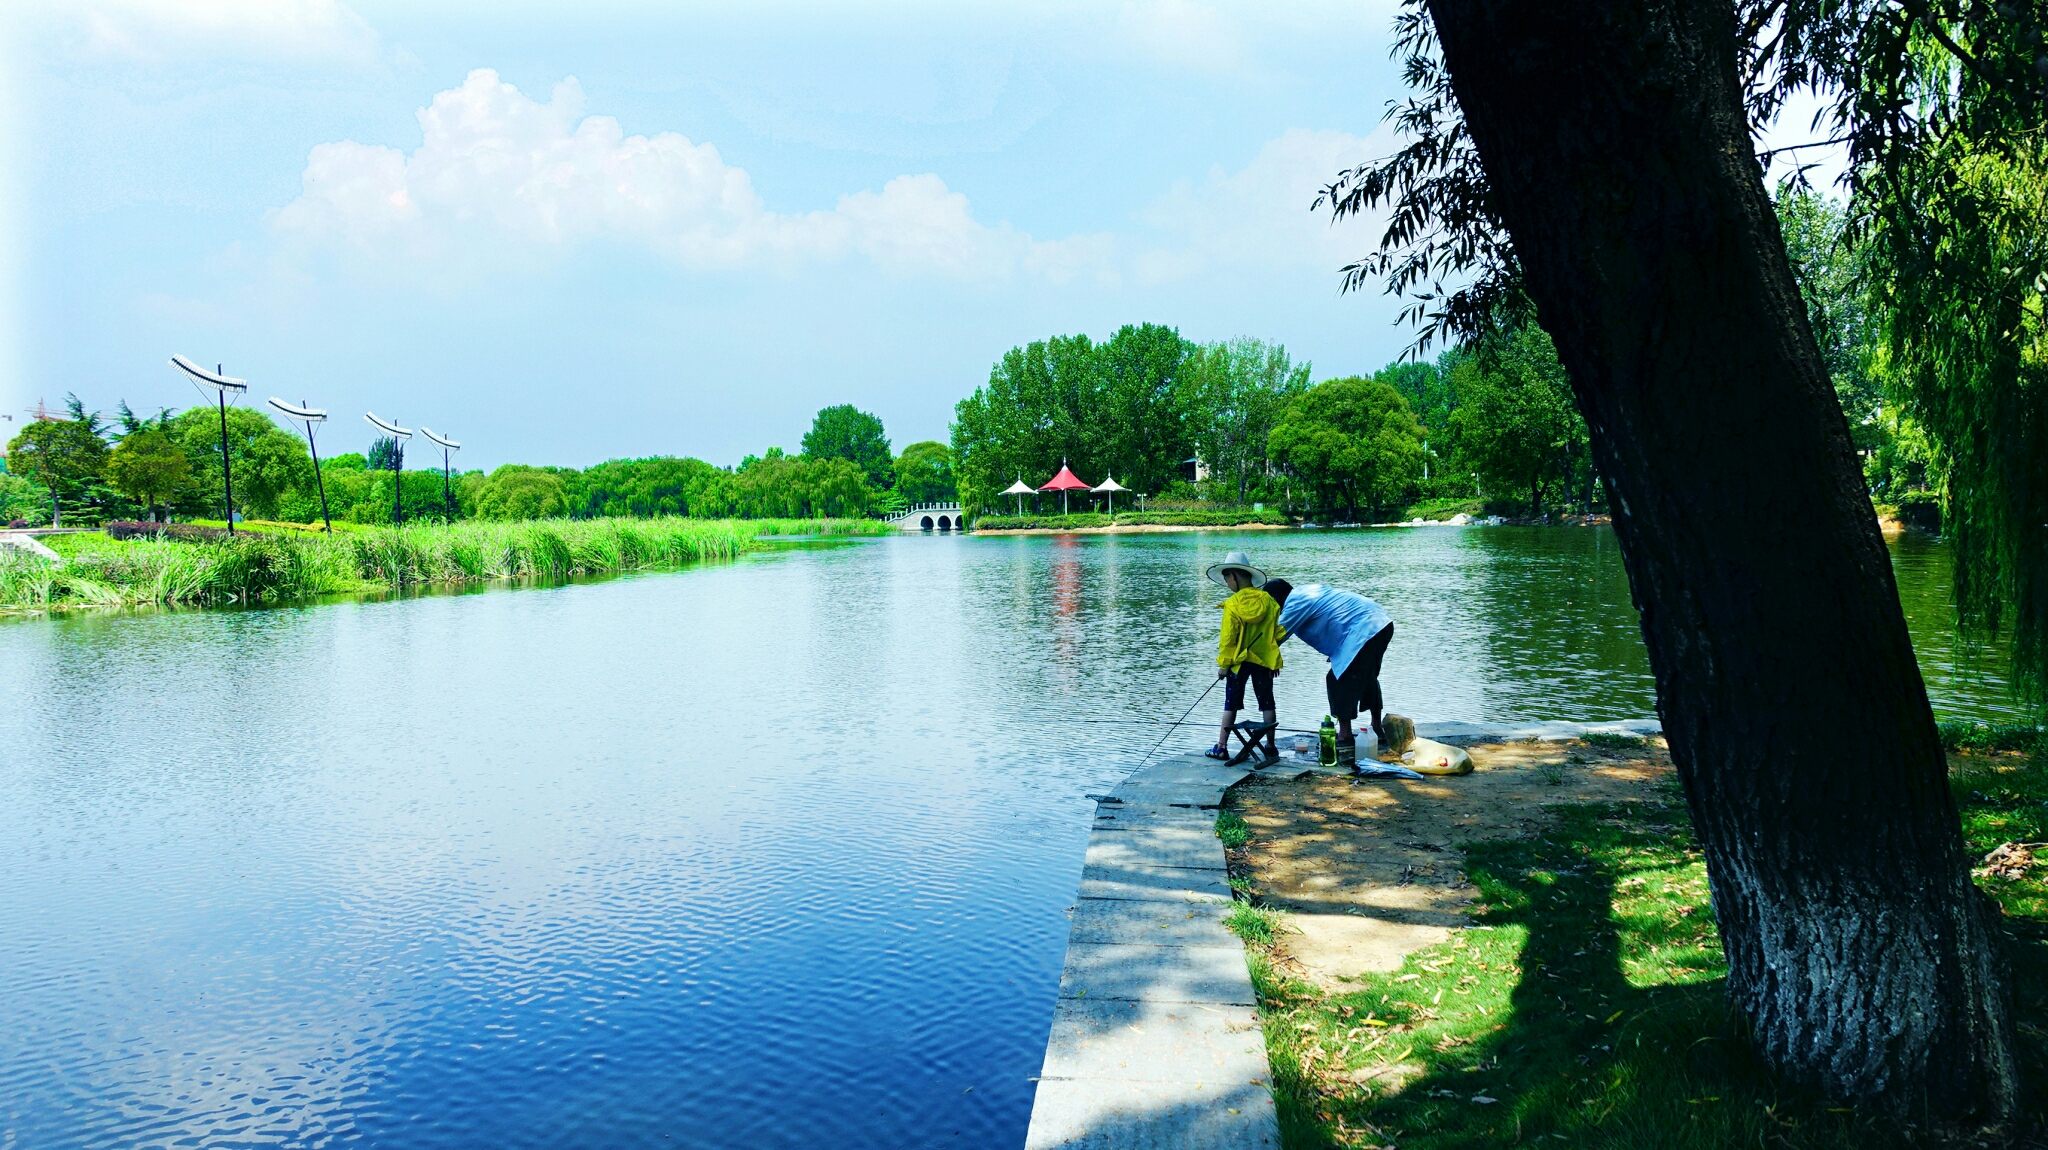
1063,483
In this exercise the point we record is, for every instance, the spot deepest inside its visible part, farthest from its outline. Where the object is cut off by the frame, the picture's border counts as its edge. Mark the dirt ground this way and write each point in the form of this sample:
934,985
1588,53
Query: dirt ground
1369,870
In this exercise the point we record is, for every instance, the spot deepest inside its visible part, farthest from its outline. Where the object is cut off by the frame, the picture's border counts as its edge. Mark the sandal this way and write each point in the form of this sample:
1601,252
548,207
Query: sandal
1216,752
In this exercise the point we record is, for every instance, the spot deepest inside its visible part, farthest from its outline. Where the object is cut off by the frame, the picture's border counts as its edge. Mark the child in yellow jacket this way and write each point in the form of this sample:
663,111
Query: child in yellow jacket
1249,648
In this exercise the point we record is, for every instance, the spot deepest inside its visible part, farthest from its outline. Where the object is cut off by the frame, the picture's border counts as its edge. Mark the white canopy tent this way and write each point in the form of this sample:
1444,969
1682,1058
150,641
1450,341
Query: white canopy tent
1020,489
1109,487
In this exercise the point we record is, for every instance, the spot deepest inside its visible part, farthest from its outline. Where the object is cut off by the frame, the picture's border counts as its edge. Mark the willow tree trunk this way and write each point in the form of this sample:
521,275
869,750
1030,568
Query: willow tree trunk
1613,137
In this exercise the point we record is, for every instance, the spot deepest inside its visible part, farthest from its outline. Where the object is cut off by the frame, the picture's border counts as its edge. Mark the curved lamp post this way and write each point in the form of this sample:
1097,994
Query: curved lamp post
448,447
223,384
310,416
398,436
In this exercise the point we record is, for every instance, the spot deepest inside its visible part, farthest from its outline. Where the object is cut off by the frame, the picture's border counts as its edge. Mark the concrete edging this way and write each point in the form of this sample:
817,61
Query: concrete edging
1155,1037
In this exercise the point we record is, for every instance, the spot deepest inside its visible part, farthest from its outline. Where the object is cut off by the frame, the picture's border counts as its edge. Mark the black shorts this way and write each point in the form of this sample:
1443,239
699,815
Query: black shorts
1262,686
1359,688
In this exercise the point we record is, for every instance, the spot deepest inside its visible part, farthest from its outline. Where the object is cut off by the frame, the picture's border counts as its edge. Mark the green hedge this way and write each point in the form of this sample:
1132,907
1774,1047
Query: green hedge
1129,518
1204,518
1968,736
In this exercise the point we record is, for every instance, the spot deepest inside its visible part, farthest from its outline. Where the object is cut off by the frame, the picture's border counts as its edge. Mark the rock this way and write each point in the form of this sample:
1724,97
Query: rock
1458,520
22,541
1434,758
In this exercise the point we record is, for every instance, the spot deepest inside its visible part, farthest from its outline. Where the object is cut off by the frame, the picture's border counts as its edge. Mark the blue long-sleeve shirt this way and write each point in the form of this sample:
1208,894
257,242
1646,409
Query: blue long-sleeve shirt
1336,623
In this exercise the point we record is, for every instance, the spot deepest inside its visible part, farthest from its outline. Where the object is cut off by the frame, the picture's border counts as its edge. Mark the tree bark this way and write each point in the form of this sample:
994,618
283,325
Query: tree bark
1613,138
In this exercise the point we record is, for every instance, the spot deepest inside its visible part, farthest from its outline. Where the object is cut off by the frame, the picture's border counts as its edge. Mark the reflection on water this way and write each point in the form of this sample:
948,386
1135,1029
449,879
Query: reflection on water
768,854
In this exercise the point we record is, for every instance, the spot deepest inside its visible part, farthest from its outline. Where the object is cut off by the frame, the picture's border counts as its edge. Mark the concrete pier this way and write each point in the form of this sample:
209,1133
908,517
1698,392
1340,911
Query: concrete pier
1155,1039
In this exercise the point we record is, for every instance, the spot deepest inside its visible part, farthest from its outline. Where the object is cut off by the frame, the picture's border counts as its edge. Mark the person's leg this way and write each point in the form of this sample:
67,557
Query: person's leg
1343,706
1262,686
1233,700
1367,664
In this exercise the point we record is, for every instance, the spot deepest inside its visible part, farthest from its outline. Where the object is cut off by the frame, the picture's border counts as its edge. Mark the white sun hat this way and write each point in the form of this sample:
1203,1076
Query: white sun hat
1237,561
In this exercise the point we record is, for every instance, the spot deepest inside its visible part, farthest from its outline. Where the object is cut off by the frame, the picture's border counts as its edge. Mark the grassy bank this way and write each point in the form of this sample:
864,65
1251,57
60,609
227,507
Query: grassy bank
1587,1008
1078,520
278,563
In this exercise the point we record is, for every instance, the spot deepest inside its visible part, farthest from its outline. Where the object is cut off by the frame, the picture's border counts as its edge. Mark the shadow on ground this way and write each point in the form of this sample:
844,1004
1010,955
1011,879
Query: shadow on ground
1606,1021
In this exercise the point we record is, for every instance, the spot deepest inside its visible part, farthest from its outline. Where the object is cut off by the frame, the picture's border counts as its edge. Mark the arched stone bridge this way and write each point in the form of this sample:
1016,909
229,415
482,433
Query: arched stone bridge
929,517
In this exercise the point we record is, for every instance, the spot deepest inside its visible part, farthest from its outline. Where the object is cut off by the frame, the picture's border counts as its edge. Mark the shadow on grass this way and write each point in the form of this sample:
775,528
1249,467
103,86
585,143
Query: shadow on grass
1587,1010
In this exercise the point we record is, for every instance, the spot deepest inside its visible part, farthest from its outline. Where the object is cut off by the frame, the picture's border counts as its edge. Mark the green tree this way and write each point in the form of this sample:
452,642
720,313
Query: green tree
846,432
22,500
1829,268
924,473
386,454
1117,408
1427,388
65,456
1136,426
1352,442
516,491
782,486
149,467
1958,247
1029,416
1592,160
664,485
1516,421
268,461
1236,391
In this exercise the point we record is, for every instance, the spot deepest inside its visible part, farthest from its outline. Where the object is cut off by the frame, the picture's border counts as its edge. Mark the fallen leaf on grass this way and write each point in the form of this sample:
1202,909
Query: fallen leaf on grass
2008,861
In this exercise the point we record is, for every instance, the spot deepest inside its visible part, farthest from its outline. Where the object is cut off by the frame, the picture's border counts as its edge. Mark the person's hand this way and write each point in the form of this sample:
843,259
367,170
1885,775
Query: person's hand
1222,672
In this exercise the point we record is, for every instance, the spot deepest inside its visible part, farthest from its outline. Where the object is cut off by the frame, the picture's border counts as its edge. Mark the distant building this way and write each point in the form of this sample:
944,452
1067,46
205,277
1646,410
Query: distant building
1194,470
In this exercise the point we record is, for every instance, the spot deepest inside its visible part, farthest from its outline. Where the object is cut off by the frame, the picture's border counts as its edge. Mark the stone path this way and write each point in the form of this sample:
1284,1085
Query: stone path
1155,1039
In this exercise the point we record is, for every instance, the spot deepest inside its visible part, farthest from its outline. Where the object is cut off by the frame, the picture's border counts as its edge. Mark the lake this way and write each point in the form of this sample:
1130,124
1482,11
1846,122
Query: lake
769,854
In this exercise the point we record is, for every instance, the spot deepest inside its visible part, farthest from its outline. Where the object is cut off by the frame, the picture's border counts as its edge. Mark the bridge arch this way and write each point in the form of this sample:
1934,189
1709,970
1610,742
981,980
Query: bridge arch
930,517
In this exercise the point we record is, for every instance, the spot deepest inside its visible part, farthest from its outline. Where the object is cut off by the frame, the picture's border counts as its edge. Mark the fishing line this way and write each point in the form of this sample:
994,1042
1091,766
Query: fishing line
1183,719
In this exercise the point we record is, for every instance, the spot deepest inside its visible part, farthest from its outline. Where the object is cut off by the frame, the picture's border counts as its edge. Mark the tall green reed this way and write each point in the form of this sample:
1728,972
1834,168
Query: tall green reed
258,568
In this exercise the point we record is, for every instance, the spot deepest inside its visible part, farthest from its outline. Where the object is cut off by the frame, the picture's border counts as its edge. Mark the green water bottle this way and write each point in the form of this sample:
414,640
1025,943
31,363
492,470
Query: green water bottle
1329,741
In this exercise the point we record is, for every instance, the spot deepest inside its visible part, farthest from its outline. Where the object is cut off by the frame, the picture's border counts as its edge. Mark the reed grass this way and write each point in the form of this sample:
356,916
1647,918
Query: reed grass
279,566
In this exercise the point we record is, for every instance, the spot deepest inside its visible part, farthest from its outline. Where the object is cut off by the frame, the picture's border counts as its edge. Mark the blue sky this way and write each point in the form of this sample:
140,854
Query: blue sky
566,233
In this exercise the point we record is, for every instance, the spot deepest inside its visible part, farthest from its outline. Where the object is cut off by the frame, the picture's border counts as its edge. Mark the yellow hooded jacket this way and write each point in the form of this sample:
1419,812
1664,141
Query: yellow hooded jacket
1251,631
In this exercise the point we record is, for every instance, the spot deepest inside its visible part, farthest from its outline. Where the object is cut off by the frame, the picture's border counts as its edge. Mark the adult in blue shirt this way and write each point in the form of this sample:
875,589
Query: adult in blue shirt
1354,632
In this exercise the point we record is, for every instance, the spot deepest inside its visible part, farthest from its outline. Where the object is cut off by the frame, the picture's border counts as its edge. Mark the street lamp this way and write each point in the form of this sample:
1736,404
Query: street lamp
398,436
310,416
223,385
447,446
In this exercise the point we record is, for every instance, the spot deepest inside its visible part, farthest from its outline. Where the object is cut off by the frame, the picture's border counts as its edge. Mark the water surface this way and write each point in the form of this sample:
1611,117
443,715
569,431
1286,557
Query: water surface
773,854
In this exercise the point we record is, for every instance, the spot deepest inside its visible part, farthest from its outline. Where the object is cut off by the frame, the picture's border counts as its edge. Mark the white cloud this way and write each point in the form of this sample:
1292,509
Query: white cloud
264,31
1259,215
497,168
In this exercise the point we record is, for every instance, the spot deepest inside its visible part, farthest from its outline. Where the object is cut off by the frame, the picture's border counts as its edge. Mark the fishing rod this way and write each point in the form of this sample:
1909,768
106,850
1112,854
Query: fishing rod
1183,719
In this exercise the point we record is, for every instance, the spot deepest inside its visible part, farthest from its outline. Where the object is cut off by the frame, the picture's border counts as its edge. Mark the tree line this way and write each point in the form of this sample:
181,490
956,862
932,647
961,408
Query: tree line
84,470
1490,423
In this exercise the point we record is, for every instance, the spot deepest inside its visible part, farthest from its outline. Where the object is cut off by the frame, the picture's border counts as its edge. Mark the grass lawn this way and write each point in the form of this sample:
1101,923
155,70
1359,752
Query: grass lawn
1586,1008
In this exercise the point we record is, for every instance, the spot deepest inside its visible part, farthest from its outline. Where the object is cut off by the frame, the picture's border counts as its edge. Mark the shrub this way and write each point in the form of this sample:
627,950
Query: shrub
1611,740
186,532
1051,522
1971,736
